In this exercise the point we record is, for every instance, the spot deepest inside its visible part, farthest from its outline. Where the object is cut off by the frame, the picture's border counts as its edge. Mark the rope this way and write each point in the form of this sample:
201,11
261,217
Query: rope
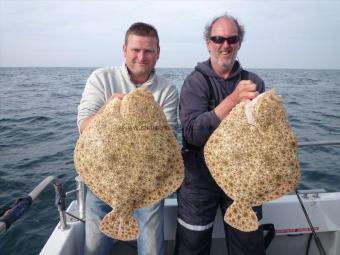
316,238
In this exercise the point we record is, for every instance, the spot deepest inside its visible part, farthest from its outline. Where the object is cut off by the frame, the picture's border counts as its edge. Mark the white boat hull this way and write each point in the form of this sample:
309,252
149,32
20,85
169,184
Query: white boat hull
291,226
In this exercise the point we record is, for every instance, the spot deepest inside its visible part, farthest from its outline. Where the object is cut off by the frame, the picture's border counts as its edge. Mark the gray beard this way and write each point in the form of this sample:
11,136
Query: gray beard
228,66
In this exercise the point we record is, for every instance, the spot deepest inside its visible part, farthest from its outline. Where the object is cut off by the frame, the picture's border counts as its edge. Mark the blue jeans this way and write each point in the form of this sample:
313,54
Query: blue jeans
151,227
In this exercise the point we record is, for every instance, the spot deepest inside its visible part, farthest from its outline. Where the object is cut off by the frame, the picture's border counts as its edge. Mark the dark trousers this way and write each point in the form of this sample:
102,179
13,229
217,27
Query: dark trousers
199,197
198,242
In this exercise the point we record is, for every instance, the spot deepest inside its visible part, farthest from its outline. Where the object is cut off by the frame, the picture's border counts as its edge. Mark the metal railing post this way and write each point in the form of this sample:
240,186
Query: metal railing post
81,197
60,203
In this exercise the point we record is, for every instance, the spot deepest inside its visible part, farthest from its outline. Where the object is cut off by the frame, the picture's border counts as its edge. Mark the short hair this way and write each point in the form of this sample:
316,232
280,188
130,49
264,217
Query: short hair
208,27
142,29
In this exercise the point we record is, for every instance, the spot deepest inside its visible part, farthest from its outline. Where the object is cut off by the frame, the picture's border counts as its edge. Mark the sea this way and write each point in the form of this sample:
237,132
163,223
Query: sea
38,132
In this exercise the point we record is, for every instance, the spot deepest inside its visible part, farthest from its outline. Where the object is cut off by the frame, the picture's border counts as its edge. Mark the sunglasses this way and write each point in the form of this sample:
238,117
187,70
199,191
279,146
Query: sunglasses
221,39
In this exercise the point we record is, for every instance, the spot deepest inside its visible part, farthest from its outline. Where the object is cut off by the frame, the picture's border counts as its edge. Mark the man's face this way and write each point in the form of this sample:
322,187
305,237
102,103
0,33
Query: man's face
224,54
141,54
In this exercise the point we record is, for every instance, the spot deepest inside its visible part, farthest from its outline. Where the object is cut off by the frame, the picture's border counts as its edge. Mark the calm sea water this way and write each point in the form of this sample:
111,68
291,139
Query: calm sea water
38,108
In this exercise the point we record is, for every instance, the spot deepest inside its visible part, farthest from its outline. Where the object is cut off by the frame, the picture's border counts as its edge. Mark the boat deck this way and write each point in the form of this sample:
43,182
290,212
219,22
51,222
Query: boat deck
130,248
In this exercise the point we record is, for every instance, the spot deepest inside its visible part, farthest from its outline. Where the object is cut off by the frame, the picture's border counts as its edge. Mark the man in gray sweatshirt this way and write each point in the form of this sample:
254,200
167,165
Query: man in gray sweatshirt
141,51
208,94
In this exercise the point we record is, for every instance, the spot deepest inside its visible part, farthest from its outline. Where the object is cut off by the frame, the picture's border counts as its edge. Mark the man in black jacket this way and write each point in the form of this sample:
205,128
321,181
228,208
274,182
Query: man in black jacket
208,94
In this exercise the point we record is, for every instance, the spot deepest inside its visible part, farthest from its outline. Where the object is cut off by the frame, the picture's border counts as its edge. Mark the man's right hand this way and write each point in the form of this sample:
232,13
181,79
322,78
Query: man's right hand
116,95
245,90
87,120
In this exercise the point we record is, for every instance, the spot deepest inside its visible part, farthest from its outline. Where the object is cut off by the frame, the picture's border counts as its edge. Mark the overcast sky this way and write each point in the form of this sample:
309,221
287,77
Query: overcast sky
279,34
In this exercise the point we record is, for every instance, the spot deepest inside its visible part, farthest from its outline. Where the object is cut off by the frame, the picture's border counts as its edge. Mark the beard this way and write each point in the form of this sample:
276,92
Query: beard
228,63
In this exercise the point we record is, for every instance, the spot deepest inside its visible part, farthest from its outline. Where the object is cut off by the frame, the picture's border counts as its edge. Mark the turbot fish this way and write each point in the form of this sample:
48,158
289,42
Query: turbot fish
252,157
128,157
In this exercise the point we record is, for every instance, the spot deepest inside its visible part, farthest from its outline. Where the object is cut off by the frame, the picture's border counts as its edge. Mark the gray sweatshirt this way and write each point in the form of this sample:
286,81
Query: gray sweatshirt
103,82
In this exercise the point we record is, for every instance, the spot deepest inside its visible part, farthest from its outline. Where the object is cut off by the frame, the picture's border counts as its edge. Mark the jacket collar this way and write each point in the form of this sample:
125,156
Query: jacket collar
148,82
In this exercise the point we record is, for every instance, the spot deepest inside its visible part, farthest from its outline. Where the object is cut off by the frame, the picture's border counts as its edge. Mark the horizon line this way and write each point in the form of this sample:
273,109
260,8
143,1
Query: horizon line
94,67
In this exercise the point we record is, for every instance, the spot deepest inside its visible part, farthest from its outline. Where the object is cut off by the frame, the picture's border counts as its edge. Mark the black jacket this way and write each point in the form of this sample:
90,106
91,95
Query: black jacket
198,122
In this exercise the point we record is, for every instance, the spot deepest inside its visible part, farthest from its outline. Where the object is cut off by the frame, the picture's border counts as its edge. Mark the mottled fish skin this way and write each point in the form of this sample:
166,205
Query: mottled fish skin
129,157
253,158
124,227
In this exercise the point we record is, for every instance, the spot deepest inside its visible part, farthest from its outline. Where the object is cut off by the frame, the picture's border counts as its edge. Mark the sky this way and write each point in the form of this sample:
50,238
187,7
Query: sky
279,34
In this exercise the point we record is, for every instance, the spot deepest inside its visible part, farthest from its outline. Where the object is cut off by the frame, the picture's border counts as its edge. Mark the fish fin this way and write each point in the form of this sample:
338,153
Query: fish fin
120,227
241,216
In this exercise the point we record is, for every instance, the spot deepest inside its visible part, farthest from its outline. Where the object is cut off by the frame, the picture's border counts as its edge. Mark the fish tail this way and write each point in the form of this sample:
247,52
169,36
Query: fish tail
120,227
241,216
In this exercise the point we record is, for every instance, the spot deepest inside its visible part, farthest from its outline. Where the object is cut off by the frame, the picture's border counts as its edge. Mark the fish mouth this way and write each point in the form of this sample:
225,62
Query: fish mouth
250,106
249,109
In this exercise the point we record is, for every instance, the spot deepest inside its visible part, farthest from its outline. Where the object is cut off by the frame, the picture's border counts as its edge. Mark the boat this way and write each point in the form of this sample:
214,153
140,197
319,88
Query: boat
306,222
292,232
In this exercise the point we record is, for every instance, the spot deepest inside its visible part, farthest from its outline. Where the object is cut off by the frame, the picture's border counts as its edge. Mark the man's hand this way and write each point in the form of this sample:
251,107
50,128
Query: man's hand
87,120
116,95
245,90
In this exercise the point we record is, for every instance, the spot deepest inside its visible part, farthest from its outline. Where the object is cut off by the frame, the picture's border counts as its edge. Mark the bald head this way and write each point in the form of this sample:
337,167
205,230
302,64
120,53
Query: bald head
209,26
